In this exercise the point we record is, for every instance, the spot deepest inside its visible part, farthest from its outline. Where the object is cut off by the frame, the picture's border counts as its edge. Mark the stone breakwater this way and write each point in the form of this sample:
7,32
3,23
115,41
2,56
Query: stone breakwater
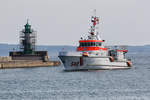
6,62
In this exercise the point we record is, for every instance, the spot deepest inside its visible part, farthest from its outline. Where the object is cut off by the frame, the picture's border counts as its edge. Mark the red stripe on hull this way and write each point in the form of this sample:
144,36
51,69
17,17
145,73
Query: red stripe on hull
90,48
91,41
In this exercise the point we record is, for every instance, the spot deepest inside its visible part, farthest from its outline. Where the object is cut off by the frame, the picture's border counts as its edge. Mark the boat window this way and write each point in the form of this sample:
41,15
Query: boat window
100,44
97,44
94,44
89,44
86,44
83,45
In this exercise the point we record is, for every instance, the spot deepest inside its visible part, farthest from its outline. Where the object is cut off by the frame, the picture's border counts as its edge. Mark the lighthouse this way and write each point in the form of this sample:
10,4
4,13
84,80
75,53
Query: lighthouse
27,43
27,40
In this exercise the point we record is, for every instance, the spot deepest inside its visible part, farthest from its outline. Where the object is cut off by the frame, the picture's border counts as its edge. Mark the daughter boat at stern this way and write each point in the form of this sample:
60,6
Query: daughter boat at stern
91,54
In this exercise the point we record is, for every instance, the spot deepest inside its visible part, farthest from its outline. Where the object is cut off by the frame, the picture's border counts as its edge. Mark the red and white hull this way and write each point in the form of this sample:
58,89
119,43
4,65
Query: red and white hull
92,63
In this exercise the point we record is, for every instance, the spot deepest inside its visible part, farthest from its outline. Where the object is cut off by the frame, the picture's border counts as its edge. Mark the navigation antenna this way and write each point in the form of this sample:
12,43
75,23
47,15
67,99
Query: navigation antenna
97,23
94,27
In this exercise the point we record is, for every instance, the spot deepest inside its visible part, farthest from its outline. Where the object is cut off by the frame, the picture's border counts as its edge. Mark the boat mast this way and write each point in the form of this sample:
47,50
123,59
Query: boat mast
94,34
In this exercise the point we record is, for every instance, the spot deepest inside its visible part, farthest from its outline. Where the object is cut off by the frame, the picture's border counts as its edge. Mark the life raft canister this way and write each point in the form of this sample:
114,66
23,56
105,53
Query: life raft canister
111,58
129,63
85,54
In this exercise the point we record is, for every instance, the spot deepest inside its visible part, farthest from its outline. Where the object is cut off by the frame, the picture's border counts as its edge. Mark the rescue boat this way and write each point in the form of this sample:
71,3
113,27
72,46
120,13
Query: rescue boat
91,54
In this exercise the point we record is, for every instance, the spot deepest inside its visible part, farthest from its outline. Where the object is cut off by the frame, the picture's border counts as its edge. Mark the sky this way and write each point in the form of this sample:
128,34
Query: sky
63,22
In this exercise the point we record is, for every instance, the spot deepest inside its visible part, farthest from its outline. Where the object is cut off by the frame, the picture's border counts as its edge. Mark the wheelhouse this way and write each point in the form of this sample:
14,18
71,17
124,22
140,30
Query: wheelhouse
90,45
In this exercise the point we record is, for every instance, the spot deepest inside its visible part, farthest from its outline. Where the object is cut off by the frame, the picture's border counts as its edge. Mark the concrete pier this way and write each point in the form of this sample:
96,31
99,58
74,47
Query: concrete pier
27,64
7,62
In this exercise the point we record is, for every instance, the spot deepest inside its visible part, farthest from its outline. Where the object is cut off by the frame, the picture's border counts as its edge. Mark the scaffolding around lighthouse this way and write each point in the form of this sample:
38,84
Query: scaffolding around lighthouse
27,39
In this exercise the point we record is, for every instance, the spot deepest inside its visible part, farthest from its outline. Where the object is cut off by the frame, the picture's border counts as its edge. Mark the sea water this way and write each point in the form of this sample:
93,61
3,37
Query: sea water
53,83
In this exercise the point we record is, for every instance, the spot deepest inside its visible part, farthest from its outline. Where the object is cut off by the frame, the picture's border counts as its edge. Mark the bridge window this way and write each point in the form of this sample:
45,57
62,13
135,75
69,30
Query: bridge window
97,44
81,44
84,44
89,44
94,44
100,43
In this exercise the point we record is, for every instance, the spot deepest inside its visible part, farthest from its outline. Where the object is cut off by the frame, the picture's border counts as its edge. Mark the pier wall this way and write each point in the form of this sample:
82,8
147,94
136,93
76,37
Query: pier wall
27,58
28,64
5,59
38,55
19,60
